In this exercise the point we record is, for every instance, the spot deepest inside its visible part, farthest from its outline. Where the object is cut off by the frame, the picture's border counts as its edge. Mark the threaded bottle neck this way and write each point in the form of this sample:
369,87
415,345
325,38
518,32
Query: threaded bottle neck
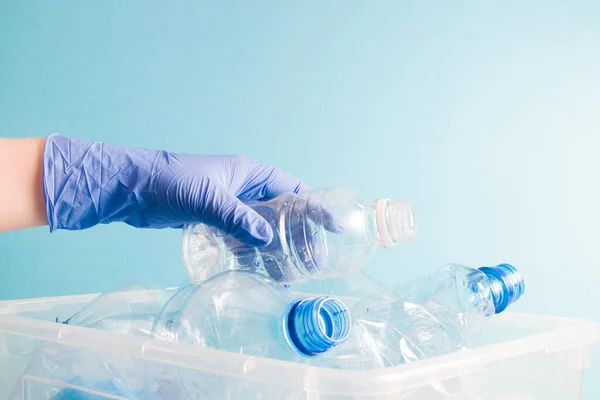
395,221
506,285
314,325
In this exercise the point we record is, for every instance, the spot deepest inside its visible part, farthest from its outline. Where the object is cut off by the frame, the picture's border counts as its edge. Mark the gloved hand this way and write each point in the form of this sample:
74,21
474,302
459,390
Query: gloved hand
88,183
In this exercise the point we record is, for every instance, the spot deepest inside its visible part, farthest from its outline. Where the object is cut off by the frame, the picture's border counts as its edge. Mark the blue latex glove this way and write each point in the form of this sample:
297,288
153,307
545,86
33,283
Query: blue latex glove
89,183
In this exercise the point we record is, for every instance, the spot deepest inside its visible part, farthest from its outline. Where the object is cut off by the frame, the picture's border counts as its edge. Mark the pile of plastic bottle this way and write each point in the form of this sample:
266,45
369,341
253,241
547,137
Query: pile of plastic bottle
241,299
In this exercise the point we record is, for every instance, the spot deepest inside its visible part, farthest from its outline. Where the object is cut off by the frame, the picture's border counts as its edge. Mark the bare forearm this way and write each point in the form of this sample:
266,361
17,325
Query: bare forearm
21,188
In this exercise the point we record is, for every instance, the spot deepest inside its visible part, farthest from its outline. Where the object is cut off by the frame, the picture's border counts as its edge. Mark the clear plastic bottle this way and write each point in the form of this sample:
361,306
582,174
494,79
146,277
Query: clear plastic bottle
246,312
243,312
318,234
426,317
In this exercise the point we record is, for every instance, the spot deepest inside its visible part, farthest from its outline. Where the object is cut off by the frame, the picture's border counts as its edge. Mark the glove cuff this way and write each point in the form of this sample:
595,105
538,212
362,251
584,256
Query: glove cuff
87,183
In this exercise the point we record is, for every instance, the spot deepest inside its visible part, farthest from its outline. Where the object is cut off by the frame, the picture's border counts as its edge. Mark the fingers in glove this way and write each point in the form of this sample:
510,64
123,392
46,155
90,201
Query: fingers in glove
267,182
237,219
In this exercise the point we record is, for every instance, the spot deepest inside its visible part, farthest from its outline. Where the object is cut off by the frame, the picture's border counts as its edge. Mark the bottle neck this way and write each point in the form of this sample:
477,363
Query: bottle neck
314,325
505,283
394,221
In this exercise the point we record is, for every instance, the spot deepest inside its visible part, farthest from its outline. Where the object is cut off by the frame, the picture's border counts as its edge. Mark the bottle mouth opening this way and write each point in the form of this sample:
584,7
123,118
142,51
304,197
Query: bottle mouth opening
315,325
396,221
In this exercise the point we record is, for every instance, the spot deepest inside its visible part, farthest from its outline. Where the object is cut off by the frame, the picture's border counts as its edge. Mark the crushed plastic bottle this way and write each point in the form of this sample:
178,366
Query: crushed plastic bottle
239,311
318,234
426,317
248,313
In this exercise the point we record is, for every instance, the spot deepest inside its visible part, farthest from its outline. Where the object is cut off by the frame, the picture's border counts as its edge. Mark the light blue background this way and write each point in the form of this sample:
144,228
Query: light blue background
486,115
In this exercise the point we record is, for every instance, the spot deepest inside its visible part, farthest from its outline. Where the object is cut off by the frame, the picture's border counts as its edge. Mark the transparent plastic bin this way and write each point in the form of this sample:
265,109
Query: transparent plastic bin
521,357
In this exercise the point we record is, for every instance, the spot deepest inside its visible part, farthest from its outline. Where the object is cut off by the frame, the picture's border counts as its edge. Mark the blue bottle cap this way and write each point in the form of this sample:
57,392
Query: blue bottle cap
315,325
506,284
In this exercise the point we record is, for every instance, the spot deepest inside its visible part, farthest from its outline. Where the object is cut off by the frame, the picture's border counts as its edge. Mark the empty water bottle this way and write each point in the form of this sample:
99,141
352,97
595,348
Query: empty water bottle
246,312
318,234
429,316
